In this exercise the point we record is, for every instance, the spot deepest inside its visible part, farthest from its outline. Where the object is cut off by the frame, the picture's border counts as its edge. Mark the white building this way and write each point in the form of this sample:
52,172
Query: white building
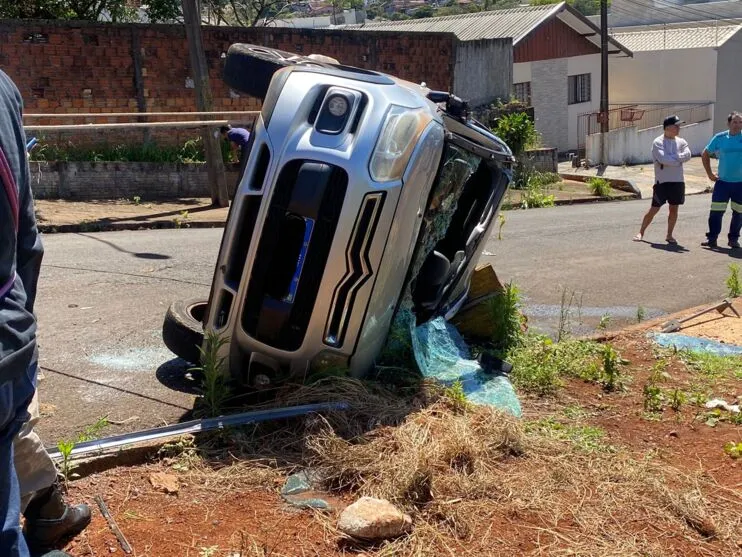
685,63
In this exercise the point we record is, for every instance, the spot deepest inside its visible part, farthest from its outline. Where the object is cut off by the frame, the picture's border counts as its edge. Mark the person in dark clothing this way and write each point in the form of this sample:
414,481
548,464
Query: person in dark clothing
238,138
20,262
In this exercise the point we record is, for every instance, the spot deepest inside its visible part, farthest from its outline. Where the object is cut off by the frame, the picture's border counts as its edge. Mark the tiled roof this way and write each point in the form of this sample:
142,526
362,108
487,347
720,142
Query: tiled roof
674,37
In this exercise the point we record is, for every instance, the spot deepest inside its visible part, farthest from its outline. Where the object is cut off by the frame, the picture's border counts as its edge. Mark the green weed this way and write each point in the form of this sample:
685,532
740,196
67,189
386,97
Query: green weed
457,397
93,431
641,314
137,200
653,398
677,399
600,187
214,389
565,314
733,449
713,366
610,373
65,449
734,285
501,218
605,320
507,320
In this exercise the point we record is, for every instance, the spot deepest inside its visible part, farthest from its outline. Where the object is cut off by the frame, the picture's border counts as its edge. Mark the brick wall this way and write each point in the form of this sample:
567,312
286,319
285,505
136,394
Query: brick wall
88,67
114,180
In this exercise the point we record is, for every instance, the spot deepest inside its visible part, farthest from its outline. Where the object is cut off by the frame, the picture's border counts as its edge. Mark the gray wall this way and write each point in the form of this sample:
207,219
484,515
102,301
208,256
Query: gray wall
632,12
484,70
728,81
549,98
121,180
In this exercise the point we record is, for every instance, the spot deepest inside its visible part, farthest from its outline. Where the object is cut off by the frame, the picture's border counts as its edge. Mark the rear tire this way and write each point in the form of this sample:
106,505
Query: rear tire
249,68
182,330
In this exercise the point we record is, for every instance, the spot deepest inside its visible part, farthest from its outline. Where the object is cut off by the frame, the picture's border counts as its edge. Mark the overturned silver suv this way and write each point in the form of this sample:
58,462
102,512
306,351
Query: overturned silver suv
363,196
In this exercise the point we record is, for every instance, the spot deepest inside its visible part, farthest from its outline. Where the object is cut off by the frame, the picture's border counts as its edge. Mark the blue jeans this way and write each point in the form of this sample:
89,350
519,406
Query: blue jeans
724,192
15,397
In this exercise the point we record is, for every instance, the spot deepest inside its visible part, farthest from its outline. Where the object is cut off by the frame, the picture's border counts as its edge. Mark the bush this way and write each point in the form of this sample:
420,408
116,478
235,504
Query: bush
518,131
600,187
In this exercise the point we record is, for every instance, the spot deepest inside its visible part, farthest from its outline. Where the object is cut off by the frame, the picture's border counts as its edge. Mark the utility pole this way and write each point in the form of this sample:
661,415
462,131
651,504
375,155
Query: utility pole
604,126
204,101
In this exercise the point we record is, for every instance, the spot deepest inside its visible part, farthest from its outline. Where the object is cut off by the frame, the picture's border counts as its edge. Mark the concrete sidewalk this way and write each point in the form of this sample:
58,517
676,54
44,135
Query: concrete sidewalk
642,175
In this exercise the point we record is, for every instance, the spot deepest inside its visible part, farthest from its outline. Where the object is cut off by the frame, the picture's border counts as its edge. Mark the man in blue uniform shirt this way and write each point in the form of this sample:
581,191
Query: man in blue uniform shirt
727,146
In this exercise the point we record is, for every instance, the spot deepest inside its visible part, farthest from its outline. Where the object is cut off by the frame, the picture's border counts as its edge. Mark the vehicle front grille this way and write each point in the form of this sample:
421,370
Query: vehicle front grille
292,254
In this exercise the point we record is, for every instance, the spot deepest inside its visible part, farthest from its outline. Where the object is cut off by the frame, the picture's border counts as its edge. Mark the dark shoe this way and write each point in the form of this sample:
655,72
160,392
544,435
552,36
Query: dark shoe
709,244
734,244
49,520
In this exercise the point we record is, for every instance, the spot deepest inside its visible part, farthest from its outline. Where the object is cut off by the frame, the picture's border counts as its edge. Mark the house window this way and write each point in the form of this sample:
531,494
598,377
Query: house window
579,88
522,92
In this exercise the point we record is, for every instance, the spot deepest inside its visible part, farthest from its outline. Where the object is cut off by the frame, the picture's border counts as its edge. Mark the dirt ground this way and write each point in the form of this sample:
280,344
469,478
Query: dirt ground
240,515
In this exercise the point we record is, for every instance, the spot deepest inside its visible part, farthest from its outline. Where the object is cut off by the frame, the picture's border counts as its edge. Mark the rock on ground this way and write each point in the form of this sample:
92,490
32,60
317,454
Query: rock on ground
373,519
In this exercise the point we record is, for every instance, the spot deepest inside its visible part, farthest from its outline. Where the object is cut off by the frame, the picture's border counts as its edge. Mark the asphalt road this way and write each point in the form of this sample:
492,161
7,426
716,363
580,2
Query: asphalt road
103,297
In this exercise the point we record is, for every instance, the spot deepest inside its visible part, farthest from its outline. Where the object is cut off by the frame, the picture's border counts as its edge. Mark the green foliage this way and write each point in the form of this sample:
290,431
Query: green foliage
600,187
501,218
117,10
517,130
534,197
653,397
539,364
733,282
713,366
93,431
543,179
456,397
214,388
605,320
610,372
733,449
677,399
507,320
65,449
641,314
191,152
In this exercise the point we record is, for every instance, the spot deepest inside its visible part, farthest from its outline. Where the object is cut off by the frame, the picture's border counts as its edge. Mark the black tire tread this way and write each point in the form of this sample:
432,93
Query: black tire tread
181,332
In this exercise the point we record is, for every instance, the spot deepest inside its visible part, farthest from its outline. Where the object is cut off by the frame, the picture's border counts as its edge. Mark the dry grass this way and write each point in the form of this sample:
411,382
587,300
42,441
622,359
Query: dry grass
477,483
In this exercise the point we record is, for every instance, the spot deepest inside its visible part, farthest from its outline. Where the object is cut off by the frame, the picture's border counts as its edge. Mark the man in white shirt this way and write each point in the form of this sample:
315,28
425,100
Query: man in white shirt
669,152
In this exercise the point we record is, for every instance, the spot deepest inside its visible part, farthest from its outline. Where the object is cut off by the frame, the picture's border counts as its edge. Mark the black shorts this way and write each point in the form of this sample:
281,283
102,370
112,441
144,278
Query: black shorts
672,193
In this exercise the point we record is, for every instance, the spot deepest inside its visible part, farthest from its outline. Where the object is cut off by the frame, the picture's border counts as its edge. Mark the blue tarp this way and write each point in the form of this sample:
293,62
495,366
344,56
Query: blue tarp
441,353
695,344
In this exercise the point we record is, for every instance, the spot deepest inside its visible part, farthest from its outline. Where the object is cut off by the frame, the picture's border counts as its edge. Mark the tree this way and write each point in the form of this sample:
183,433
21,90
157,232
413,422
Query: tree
91,10
245,13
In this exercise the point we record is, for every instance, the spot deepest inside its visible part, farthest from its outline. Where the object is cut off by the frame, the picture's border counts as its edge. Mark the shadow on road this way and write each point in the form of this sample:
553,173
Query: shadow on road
175,375
119,389
140,255
733,253
674,248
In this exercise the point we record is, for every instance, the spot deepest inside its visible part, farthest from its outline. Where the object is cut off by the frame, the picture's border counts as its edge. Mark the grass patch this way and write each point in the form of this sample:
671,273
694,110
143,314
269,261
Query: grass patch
713,366
734,286
585,438
540,364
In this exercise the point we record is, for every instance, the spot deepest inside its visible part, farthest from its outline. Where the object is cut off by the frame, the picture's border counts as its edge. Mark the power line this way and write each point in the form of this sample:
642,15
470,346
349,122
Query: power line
684,9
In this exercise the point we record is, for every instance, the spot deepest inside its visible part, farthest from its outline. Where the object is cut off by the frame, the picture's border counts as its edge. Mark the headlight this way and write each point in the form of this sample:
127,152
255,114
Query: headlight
402,128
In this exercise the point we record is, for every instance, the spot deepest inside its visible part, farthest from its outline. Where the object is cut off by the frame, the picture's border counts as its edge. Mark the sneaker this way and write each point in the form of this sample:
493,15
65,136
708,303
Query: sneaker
734,244
709,244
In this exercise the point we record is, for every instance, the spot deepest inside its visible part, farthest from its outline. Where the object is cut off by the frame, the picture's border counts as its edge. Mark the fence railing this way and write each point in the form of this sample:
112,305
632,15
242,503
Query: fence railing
641,116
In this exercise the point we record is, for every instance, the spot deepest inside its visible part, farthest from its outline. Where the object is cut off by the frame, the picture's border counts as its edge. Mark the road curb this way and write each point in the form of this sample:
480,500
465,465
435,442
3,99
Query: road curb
116,226
617,183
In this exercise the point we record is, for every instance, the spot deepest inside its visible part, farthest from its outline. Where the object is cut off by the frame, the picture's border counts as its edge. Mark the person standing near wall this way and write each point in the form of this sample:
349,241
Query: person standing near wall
669,153
727,146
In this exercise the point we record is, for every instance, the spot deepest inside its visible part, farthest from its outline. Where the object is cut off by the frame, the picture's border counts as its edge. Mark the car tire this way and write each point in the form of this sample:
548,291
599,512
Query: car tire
249,68
182,330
